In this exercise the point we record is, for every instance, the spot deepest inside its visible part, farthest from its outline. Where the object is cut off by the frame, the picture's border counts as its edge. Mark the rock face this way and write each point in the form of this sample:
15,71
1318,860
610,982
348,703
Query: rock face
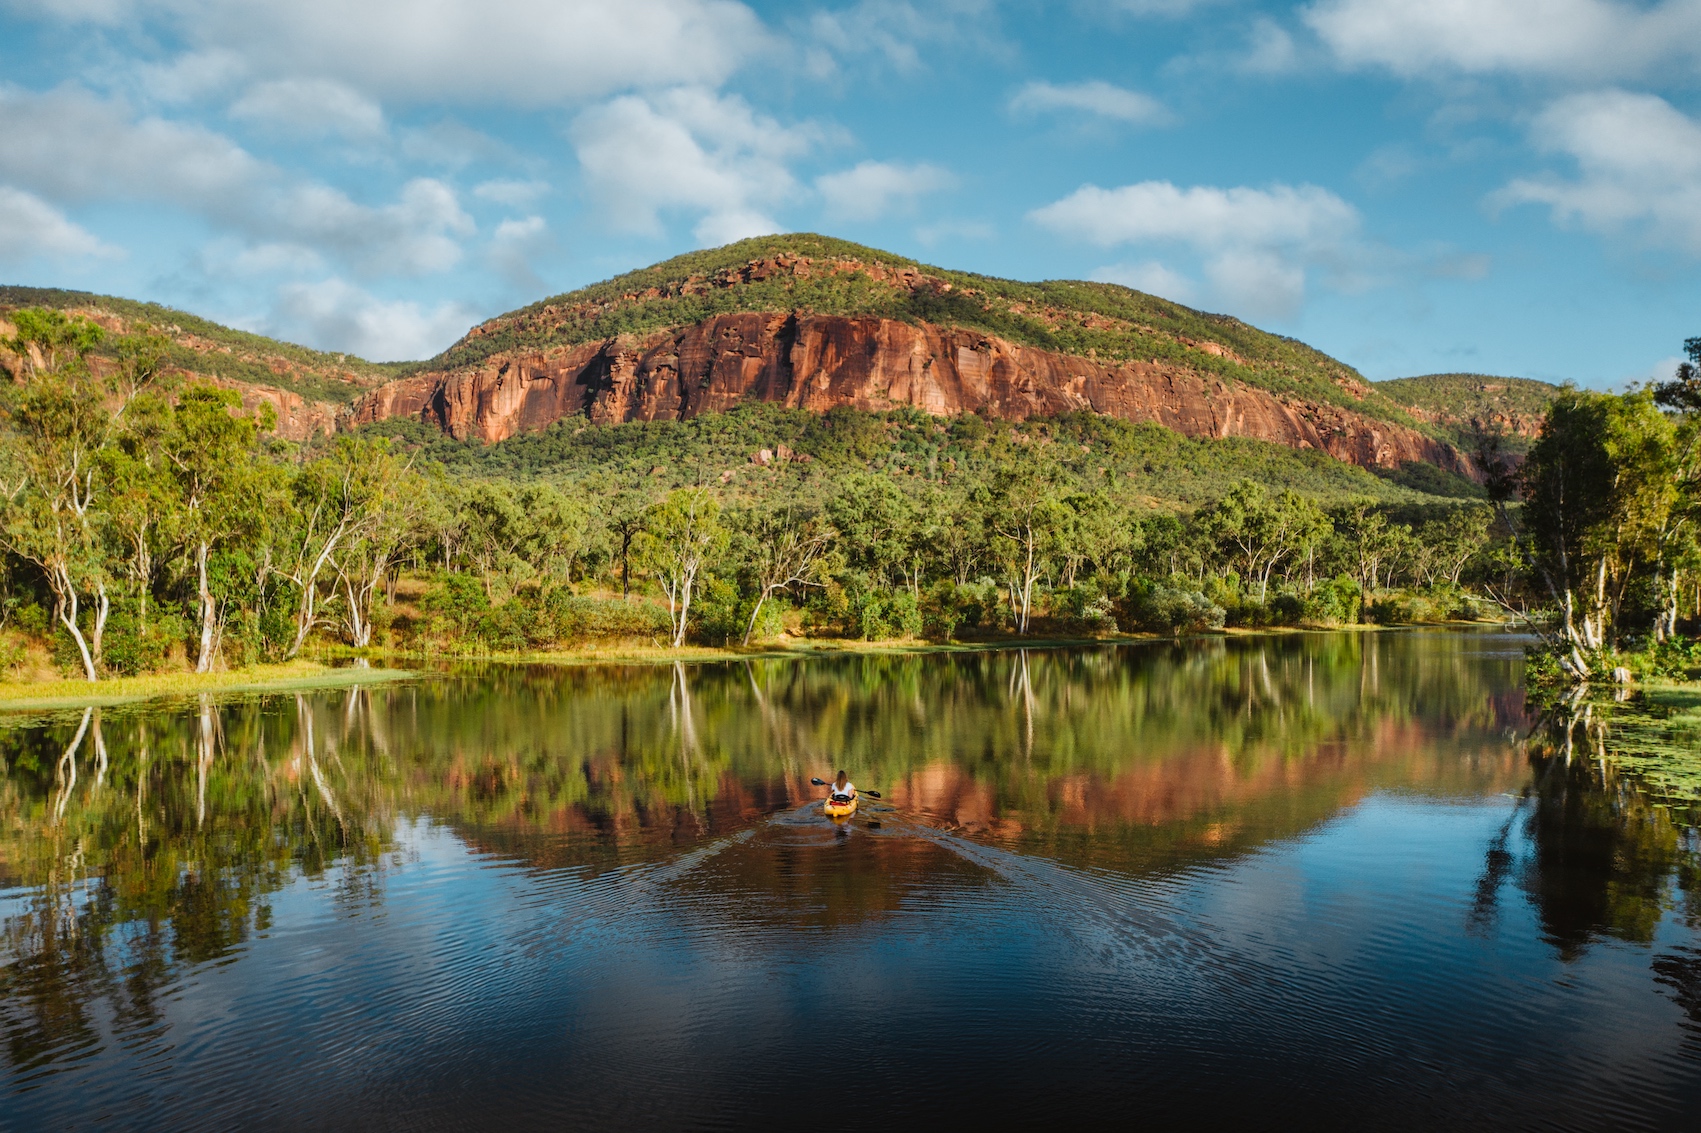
818,362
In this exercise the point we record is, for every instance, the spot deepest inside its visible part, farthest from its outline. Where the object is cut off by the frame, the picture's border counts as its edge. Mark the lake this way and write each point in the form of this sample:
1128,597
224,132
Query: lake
1314,879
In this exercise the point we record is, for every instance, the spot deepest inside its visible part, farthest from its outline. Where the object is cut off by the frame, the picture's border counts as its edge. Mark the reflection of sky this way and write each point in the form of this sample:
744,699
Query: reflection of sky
1328,974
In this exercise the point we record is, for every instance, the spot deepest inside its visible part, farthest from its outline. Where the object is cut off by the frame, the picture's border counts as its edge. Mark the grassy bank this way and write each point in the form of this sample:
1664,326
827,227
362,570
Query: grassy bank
643,653
66,693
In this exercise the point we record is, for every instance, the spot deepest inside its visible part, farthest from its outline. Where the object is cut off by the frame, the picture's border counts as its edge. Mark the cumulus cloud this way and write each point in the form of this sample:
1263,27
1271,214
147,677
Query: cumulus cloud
336,315
521,52
873,189
688,151
1255,245
1096,97
1638,164
69,145
309,108
1534,37
30,227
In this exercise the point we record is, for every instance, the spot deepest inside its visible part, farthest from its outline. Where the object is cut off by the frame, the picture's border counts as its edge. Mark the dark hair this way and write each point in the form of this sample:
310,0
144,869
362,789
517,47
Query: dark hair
841,776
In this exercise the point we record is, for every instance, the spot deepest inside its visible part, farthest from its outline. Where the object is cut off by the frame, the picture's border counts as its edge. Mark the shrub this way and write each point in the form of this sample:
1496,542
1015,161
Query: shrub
130,648
1156,608
1083,608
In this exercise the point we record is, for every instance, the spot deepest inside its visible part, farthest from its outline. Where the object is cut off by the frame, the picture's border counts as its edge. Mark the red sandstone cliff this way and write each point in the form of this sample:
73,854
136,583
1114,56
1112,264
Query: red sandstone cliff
822,361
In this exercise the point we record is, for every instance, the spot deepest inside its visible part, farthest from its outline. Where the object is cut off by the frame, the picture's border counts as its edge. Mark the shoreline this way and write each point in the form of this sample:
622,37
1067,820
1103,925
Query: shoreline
75,692
330,667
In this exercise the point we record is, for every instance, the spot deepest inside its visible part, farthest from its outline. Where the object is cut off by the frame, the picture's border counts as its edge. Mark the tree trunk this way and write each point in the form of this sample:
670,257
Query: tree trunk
67,610
209,609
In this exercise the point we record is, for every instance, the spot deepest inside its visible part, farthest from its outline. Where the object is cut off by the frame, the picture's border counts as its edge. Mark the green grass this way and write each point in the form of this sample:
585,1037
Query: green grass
68,693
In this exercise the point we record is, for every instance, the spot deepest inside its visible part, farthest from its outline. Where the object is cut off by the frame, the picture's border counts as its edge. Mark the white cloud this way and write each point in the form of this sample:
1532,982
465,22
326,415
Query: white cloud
521,52
1095,97
190,76
234,259
30,227
68,145
1564,38
1151,277
1638,161
310,107
1255,245
514,194
898,31
512,248
1270,50
335,315
872,189
688,151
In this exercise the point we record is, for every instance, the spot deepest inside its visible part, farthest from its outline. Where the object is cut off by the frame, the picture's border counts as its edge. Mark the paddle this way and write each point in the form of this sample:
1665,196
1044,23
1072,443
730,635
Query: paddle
823,783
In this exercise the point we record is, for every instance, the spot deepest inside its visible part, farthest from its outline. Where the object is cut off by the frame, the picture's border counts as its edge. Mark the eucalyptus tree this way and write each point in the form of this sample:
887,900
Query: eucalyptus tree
1598,487
1257,533
210,463
683,534
394,514
1027,522
788,548
60,421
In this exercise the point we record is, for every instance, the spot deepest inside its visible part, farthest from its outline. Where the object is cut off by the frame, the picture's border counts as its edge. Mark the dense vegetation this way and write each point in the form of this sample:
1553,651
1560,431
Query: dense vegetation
148,528
1465,406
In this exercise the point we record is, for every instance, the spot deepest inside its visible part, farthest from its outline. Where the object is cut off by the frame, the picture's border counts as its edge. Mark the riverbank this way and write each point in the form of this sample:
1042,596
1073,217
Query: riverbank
331,666
632,653
78,693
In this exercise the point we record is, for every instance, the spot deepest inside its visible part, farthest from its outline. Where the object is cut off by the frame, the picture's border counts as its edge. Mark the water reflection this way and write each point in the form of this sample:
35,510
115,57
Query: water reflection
137,845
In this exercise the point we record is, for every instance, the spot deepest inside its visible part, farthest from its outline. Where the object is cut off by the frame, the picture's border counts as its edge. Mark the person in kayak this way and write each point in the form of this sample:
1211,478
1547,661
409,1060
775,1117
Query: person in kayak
841,791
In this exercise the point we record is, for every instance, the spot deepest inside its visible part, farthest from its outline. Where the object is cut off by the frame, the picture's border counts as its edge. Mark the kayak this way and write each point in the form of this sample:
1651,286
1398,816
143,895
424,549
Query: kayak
836,810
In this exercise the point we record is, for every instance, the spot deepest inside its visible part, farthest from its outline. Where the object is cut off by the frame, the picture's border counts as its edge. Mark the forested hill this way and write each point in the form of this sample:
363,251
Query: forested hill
809,273
1460,404
310,389
710,329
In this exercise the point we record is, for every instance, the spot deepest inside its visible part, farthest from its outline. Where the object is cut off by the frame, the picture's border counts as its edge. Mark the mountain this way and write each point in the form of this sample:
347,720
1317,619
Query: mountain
312,390
809,321
1461,406
812,322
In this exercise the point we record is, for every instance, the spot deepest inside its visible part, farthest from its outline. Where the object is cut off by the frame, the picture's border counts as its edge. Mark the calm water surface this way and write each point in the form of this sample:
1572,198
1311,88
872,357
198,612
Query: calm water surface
1309,880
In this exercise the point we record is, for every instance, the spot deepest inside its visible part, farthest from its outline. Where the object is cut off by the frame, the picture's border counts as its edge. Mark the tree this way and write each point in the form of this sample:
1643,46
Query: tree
209,451
1598,487
323,507
61,421
1026,520
392,511
625,524
682,534
1257,533
788,546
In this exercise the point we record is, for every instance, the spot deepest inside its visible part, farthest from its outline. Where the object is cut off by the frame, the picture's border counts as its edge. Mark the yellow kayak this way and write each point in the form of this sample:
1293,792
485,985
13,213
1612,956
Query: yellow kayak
836,810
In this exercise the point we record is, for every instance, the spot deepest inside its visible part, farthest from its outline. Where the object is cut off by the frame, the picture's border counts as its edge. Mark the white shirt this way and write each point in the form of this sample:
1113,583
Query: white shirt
836,792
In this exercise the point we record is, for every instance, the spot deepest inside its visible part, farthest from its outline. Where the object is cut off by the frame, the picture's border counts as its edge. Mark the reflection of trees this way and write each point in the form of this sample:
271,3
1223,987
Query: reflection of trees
179,825
175,830
1604,858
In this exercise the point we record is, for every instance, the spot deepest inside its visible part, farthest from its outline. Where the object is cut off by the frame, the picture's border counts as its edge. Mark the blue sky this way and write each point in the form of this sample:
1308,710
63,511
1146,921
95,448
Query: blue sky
1501,186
